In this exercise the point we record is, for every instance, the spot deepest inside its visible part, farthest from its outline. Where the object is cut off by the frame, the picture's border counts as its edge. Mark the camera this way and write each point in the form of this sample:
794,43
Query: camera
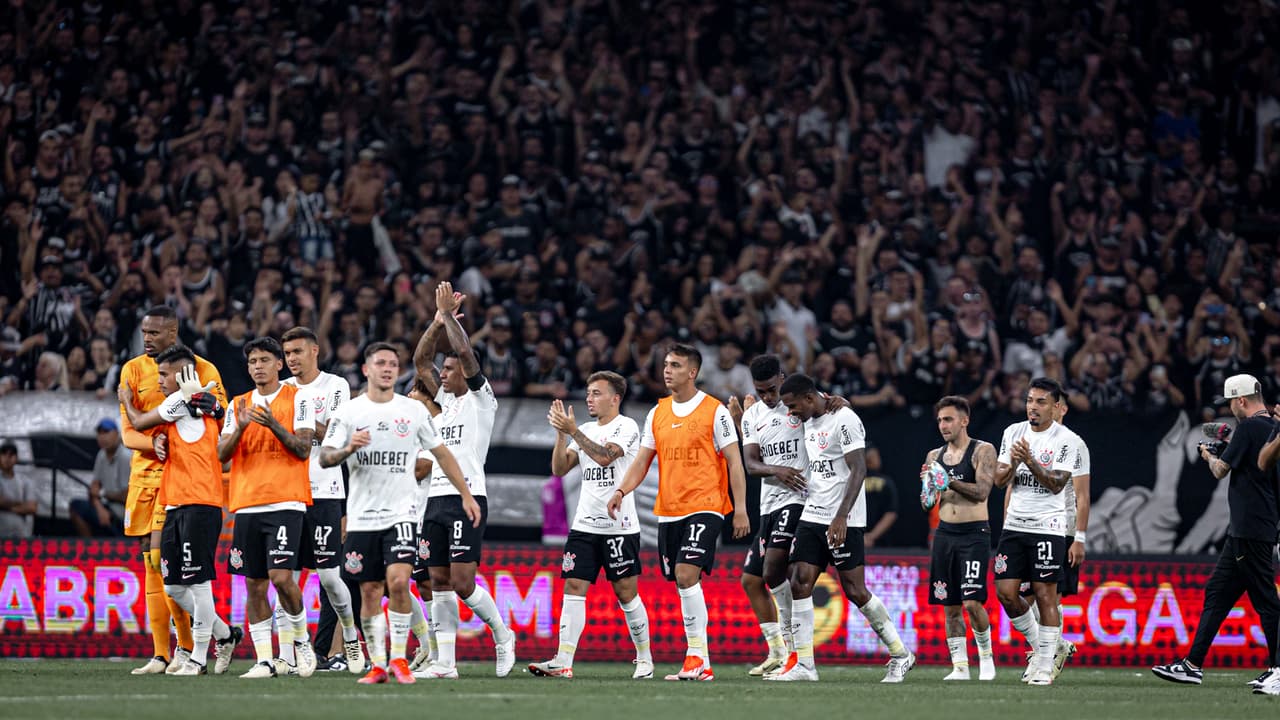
1218,434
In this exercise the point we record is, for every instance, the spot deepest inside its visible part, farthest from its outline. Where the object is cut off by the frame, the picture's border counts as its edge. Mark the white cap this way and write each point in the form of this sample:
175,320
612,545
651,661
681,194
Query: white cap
1241,386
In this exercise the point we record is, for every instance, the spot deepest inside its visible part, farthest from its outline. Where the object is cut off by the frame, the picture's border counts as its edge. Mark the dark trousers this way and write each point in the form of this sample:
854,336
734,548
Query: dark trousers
1244,566
327,625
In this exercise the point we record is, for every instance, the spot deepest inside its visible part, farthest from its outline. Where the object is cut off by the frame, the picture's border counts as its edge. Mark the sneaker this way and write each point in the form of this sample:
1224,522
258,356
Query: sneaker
155,666
1031,665
1179,672
335,664
190,667
551,669
986,668
306,656
1271,686
694,668
788,663
1041,674
771,663
180,658
421,657
898,667
437,672
352,658
264,669
1061,655
283,668
399,668
1261,679
224,650
505,653
797,672
958,673
375,676
644,670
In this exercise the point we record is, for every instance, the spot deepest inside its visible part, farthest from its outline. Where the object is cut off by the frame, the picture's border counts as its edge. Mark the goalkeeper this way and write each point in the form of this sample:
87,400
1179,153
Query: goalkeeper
958,477
191,491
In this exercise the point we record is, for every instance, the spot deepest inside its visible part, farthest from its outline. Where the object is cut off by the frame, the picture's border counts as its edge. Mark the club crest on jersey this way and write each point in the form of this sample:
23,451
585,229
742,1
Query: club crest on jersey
1046,457
1001,563
424,549
570,560
793,422
823,439
318,403
164,568
401,427
940,590
237,558
354,563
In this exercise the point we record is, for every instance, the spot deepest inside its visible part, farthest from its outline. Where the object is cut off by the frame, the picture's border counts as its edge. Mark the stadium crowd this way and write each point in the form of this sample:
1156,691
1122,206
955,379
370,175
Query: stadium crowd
906,199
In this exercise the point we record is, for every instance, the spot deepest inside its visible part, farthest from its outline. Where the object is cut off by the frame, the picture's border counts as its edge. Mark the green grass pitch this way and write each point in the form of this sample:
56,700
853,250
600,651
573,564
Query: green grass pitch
85,689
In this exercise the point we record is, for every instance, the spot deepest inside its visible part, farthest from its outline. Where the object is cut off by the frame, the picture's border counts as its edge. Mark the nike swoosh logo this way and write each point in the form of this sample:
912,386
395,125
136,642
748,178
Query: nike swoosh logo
676,425
967,593
403,555
457,554
188,577
280,561
1045,575
1239,558
761,427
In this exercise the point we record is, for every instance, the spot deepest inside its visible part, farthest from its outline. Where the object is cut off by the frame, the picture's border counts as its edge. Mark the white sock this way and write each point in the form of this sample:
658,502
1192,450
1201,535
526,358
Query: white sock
375,639
782,596
181,595
959,652
982,638
419,625
638,626
482,604
260,633
299,624
773,636
205,623
284,633
573,617
877,616
802,625
693,605
1026,624
444,615
340,600
1035,609
400,623
1047,643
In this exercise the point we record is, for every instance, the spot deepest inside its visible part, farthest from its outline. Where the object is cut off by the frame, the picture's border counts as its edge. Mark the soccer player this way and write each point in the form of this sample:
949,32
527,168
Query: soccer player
322,524
831,528
773,450
143,515
1037,456
604,449
191,494
962,544
379,435
468,409
268,441
692,436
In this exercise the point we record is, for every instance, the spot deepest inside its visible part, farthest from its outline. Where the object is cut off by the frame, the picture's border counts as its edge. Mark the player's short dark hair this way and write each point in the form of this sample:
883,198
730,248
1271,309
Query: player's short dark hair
377,347
798,384
615,381
1049,385
264,344
300,333
765,367
952,401
176,354
161,311
688,352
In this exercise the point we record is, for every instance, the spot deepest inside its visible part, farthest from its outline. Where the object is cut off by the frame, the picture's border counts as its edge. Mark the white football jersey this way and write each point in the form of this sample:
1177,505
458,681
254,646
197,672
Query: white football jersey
1081,469
465,424
599,482
827,438
780,437
326,394
382,485
1032,507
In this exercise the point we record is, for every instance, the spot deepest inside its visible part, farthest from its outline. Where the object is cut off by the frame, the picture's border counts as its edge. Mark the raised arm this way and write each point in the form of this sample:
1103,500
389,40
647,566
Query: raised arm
1052,480
424,354
297,442
447,303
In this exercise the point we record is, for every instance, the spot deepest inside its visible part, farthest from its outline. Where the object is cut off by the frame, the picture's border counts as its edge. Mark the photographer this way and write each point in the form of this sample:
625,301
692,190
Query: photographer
1245,563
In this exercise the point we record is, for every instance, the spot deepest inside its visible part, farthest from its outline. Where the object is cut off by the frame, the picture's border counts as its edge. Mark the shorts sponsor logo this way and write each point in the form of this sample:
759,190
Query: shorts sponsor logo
569,562
354,563
401,427
237,558
940,590
1001,563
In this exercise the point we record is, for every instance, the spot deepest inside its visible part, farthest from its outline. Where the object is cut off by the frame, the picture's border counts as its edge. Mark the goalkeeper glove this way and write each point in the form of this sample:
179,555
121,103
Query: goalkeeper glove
189,383
206,404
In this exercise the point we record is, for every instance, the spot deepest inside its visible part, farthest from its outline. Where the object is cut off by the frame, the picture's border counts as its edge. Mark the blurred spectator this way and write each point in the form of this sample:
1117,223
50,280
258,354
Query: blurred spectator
882,499
17,495
102,513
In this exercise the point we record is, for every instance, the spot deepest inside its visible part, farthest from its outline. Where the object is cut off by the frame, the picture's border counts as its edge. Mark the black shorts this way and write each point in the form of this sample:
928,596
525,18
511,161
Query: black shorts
1068,584
691,541
367,553
188,544
811,547
265,541
321,535
958,563
777,530
1030,557
585,554
445,525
